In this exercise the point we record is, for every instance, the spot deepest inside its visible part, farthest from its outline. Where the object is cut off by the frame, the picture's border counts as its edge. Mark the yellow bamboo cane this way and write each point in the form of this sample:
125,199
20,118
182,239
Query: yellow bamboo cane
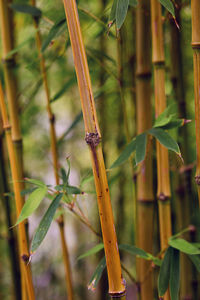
23,245
93,139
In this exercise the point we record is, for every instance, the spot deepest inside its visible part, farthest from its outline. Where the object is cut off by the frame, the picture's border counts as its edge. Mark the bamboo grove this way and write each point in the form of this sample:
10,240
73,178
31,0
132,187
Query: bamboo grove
99,149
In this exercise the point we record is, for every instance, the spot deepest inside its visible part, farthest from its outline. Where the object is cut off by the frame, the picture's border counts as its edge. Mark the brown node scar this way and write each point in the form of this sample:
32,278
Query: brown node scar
25,258
93,140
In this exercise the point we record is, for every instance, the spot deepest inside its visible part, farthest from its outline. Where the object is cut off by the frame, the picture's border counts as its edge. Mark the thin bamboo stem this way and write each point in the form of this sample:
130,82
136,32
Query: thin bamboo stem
93,137
195,4
54,156
145,196
163,188
23,245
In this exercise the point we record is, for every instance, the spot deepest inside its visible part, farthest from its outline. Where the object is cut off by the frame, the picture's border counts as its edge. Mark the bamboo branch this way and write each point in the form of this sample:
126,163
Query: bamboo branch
93,139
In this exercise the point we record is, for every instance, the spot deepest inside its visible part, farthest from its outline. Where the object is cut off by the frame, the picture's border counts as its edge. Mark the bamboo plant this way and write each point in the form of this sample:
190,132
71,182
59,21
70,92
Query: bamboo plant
22,238
145,196
163,180
93,139
54,156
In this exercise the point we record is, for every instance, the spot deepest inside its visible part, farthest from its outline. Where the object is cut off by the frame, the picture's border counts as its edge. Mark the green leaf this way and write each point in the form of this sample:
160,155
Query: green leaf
72,190
113,11
174,281
196,261
45,223
93,250
184,246
97,274
165,139
27,9
15,50
125,154
140,252
54,31
64,176
32,203
121,12
164,274
141,143
65,87
169,6
36,182
77,119
133,3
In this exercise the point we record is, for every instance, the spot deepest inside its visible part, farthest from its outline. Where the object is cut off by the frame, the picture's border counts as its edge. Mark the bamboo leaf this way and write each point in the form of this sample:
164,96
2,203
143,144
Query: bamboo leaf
15,50
196,261
27,9
32,203
77,119
72,190
141,143
169,6
164,274
64,176
133,3
165,139
184,246
125,154
65,87
93,250
97,274
113,11
54,31
36,182
45,223
174,281
121,12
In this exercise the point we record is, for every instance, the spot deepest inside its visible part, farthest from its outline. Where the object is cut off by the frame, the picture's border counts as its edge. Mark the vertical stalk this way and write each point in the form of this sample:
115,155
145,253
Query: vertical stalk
7,34
182,182
145,197
196,61
93,139
54,156
163,188
12,242
23,245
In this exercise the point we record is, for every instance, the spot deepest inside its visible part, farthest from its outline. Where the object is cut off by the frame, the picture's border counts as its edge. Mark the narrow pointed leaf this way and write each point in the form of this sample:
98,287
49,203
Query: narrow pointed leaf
93,250
169,6
129,149
141,143
65,87
77,119
184,246
54,31
164,274
165,139
196,261
121,12
45,223
32,203
27,9
97,274
113,11
72,190
36,182
174,281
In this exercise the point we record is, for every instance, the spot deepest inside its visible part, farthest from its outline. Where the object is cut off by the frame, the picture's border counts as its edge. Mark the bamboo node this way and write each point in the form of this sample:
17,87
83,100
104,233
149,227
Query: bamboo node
52,118
195,45
197,179
163,197
25,258
117,295
92,139
7,127
9,62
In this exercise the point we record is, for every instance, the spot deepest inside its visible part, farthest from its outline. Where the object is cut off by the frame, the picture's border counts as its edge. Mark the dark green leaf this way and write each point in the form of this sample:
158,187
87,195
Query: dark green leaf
128,150
164,274
141,143
121,12
165,139
184,246
133,3
196,261
72,190
113,11
27,9
45,223
54,31
97,274
169,6
93,250
27,191
174,281
64,176
32,203
65,87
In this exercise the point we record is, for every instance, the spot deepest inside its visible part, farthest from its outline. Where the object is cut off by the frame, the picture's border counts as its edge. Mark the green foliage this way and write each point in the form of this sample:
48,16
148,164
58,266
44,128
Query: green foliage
169,6
45,223
93,250
97,274
141,143
126,153
184,246
164,274
27,9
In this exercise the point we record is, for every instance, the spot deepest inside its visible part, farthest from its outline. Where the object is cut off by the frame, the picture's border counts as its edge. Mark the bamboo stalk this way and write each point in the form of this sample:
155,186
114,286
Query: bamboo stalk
195,4
12,241
55,157
181,182
163,188
145,196
23,245
93,138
